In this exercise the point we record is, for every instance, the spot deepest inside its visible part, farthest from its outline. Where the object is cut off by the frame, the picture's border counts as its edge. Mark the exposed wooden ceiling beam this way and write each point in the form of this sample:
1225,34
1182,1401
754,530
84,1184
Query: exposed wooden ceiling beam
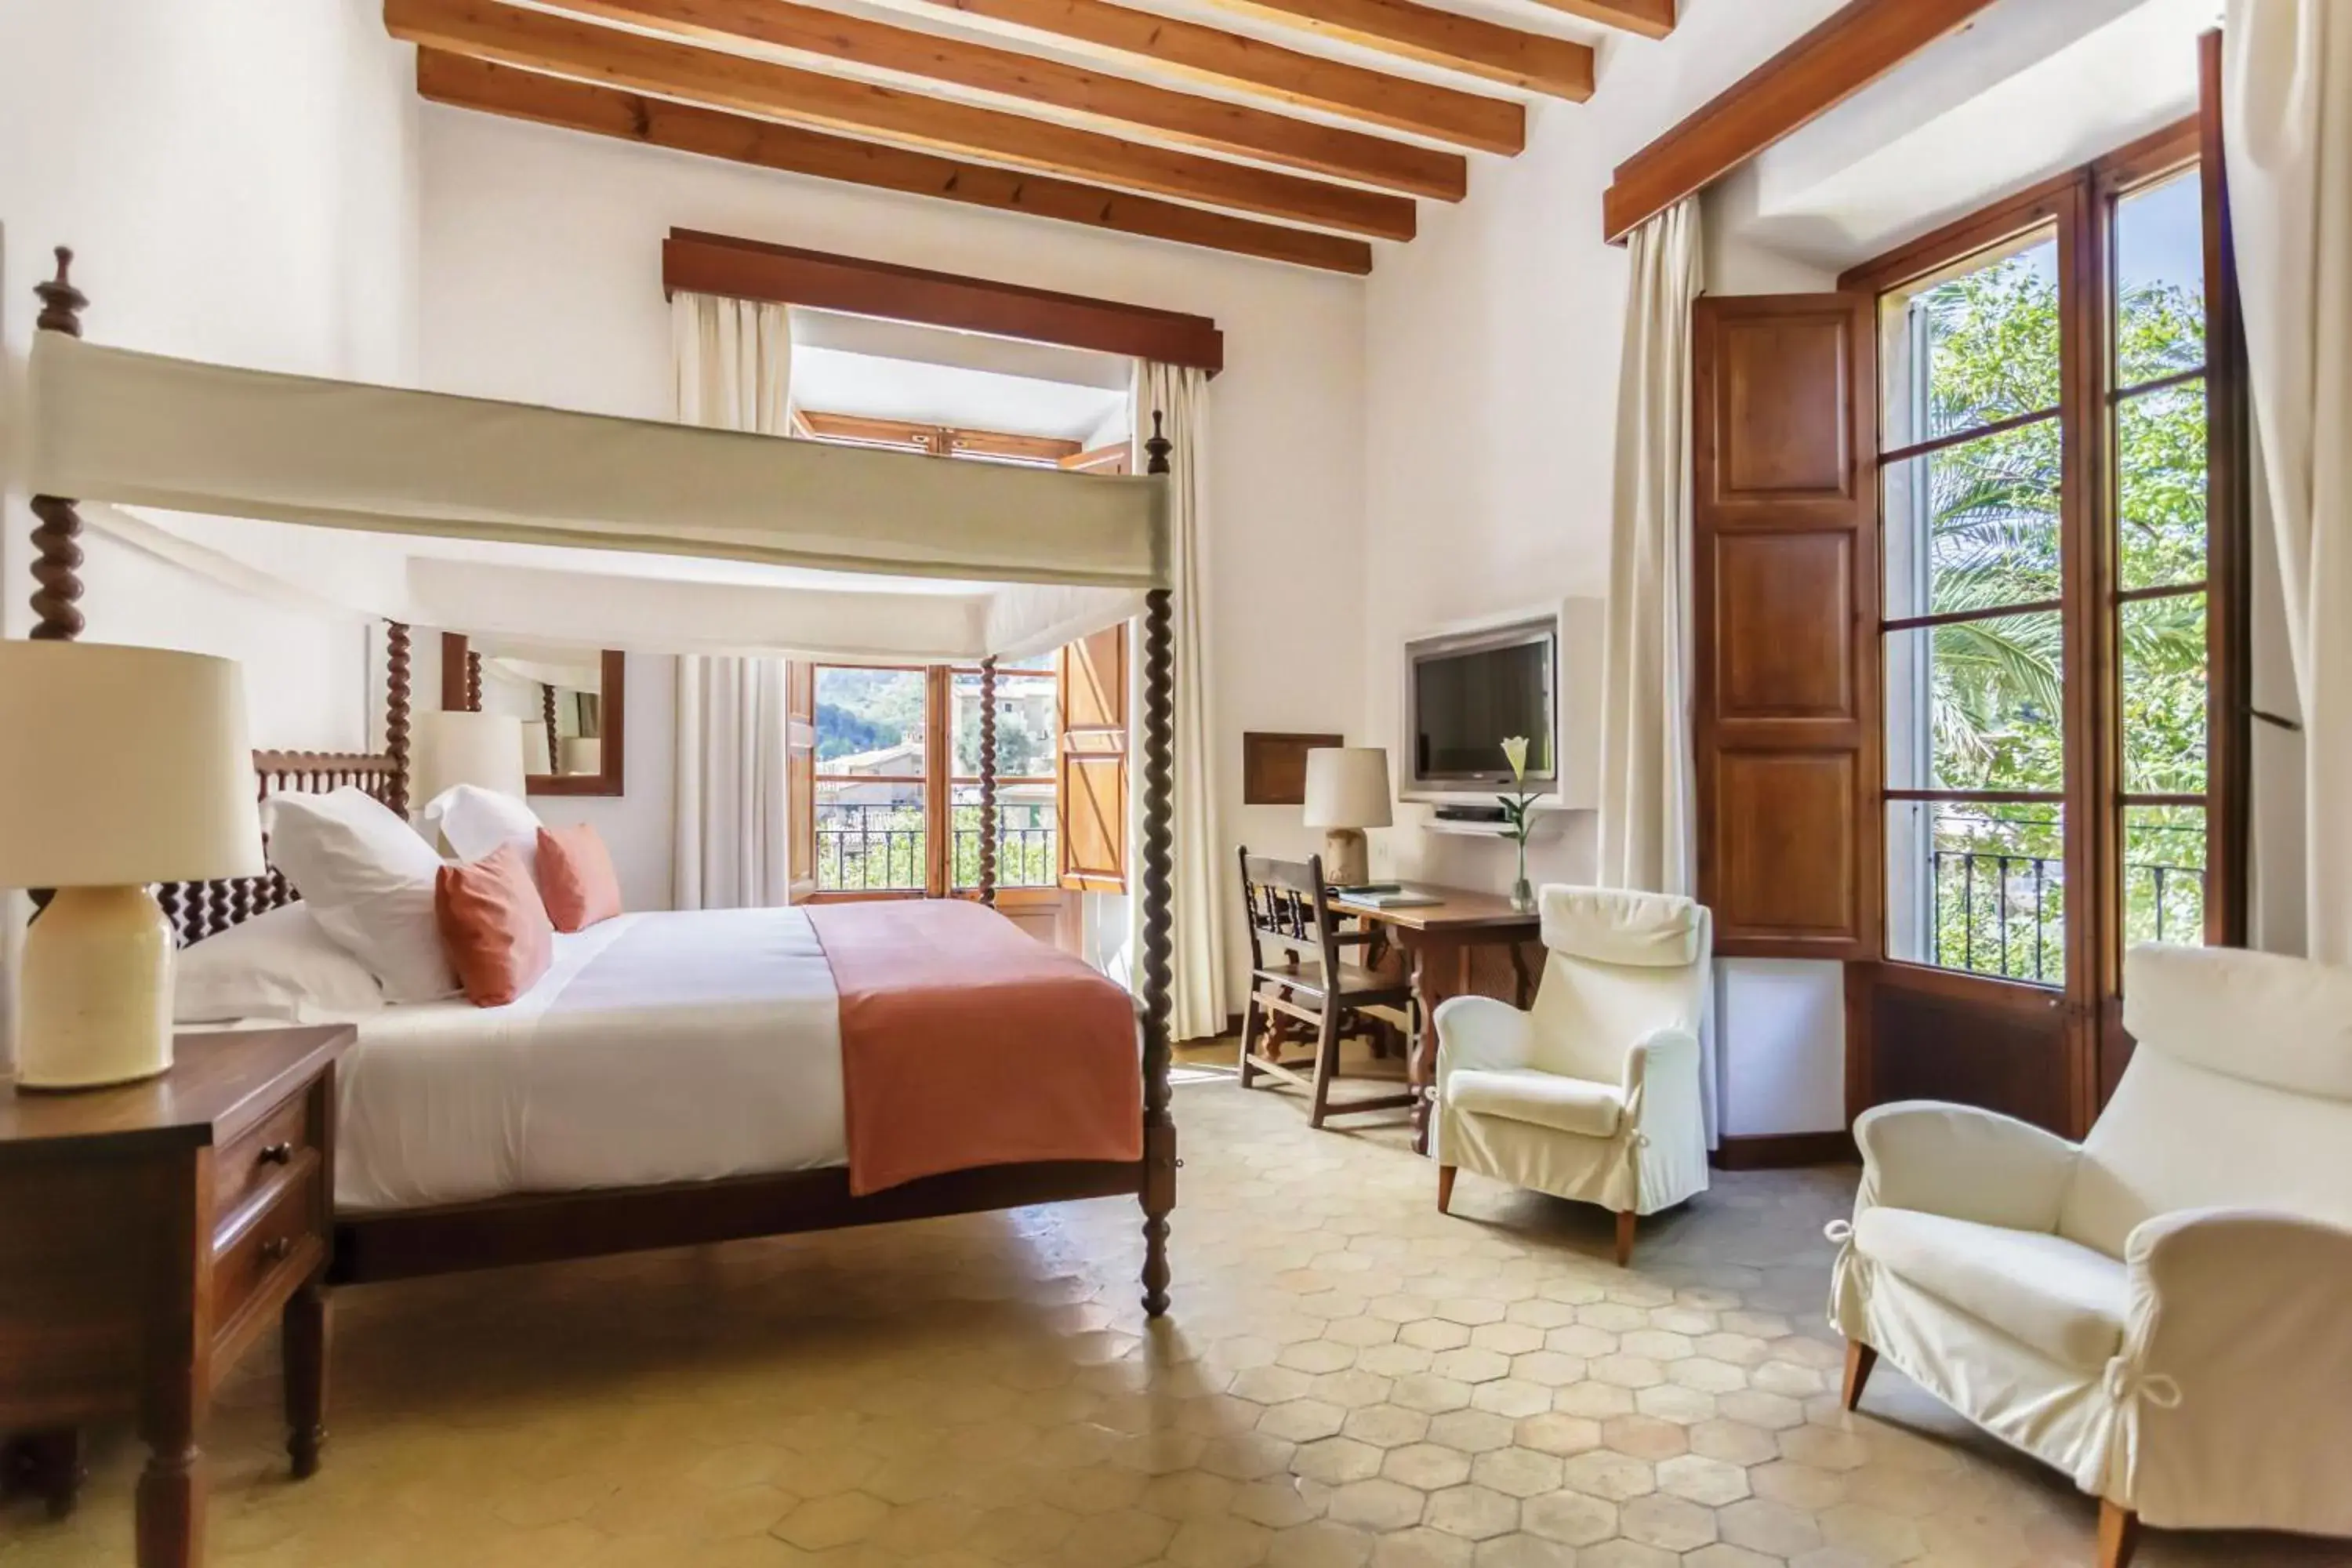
535,40
941,440
1205,123
1651,19
1235,61
604,112
708,263
1846,53
1537,62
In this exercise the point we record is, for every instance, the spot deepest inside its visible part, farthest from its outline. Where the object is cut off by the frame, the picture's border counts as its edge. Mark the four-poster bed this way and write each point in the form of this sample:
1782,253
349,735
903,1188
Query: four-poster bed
113,426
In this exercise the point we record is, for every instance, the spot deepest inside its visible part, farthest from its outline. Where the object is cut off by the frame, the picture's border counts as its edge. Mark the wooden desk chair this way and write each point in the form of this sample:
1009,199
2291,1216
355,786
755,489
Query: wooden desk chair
1305,979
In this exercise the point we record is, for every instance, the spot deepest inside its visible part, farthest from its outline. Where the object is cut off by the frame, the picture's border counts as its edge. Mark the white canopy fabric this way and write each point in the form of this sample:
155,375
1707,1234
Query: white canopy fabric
113,425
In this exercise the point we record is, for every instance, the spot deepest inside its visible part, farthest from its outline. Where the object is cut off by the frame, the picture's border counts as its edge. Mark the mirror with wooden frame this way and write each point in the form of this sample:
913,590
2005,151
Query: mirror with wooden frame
571,701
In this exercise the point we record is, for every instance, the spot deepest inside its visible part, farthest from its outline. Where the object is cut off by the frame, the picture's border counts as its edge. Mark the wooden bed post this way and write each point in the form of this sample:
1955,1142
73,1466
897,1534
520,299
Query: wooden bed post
988,780
473,681
395,713
57,563
547,718
1159,916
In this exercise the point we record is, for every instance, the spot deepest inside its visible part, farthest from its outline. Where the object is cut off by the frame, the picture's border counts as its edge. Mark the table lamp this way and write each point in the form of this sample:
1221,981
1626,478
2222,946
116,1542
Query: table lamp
1347,791
119,767
485,750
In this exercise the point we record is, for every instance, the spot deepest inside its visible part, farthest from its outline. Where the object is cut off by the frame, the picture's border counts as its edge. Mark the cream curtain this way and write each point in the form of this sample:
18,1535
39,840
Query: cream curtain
1647,809
2287,99
1181,396
732,359
733,831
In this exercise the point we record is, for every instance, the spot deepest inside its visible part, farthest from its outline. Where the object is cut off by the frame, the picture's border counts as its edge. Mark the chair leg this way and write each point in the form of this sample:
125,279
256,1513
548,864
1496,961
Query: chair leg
1327,1062
2118,1534
1859,1359
1445,1174
1253,1016
1627,1219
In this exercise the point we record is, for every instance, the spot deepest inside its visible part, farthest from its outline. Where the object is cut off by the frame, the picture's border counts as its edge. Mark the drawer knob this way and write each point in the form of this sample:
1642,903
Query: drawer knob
277,1154
277,1248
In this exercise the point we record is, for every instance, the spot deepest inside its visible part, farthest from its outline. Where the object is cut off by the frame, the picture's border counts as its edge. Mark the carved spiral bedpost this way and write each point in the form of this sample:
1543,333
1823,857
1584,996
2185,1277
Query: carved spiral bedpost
547,718
57,563
473,681
396,714
1158,918
988,780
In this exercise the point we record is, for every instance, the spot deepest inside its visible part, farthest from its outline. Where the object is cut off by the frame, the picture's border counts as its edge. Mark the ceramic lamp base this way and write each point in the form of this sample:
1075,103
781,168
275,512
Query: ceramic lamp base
97,991
1347,857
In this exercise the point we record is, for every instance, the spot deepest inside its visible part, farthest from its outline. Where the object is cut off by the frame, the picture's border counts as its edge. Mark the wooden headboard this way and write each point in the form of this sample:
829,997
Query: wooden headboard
199,909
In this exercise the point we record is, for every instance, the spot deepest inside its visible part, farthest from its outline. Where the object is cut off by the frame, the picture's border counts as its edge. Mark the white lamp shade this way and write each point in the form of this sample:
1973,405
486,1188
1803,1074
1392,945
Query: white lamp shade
485,750
120,767
1347,786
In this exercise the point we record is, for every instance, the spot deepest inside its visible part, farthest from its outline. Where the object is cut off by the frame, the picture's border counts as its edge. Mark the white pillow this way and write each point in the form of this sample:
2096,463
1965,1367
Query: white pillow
279,967
473,821
368,879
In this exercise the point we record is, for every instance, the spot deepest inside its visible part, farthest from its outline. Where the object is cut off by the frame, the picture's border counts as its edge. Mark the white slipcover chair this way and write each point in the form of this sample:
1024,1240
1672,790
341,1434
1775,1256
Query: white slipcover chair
1594,1094
2163,1311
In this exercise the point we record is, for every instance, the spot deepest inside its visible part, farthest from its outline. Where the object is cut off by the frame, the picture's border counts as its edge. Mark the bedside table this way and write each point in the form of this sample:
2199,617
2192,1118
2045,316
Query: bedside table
147,1233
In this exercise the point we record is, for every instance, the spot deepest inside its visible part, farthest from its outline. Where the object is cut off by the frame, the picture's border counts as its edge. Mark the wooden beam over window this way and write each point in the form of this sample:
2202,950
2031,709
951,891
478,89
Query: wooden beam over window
716,264
938,440
574,106
1537,62
1820,70
1237,61
536,40
1211,124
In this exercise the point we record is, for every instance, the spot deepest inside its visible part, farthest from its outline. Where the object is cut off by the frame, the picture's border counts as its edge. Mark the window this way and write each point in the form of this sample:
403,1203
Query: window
2048,656
884,800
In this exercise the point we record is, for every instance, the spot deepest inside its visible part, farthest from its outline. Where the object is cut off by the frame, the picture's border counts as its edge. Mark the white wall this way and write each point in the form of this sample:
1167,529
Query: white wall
541,279
1492,351
238,179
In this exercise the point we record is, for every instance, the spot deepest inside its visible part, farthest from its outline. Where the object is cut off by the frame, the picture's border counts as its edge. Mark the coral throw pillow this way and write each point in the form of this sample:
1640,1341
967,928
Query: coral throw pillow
493,926
576,877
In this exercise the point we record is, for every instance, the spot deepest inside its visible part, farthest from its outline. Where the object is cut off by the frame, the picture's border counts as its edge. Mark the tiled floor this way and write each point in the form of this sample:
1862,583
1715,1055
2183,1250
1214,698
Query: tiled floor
1348,1378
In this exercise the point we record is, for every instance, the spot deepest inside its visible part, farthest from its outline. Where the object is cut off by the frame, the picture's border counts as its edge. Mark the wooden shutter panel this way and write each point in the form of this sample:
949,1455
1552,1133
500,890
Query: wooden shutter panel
800,775
1090,789
1785,593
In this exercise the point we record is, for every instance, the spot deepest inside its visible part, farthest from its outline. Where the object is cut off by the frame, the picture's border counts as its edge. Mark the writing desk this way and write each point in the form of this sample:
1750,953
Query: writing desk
1438,939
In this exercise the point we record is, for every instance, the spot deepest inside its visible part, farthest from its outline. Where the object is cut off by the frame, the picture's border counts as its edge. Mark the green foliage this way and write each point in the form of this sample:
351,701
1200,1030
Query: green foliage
1998,686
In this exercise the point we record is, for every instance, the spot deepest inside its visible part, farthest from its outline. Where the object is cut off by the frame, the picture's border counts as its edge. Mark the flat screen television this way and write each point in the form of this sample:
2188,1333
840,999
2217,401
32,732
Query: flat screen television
1470,693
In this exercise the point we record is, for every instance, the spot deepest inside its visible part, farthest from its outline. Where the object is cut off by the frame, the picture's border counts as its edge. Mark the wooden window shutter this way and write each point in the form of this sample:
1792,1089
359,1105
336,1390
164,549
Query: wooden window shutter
1785,595
1090,782
800,775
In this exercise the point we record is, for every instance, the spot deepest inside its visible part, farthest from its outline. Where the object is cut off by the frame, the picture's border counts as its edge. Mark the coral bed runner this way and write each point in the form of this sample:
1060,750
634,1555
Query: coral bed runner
967,1042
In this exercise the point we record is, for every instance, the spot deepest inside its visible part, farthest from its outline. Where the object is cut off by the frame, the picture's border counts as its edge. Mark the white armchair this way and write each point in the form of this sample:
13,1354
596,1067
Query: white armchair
1594,1095
2160,1311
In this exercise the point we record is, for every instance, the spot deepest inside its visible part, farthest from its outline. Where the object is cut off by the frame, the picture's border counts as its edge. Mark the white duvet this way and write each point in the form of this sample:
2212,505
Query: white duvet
672,1046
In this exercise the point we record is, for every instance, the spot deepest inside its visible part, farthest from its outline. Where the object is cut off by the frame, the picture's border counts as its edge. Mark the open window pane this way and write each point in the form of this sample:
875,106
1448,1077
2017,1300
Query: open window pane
1973,346
870,837
1977,705
1027,726
2160,486
1027,853
2164,691
2164,874
869,723
1974,526
2160,281
1978,887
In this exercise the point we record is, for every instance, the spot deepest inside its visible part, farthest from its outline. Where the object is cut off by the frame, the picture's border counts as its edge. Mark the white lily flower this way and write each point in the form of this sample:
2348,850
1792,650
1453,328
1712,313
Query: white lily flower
1515,751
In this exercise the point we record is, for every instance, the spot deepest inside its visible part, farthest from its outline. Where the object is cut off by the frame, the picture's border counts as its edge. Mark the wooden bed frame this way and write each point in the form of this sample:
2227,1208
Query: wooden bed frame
543,1227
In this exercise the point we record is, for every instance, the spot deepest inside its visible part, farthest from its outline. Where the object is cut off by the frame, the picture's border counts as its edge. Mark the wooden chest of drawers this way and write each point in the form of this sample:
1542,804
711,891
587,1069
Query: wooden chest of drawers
148,1234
